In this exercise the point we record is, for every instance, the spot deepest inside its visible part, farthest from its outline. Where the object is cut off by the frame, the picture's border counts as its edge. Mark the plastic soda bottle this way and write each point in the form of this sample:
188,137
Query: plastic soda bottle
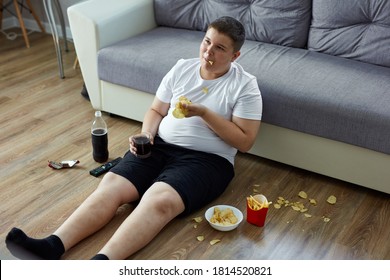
99,134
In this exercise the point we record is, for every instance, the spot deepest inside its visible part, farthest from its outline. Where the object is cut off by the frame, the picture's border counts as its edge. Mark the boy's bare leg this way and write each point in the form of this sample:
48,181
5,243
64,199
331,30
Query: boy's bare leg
97,210
159,205
93,213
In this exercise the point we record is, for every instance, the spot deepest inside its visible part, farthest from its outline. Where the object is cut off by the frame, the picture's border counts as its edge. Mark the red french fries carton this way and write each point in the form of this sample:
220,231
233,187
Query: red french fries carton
256,210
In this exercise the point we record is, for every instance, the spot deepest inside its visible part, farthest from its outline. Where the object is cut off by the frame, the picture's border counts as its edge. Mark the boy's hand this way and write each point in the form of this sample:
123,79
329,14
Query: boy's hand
194,110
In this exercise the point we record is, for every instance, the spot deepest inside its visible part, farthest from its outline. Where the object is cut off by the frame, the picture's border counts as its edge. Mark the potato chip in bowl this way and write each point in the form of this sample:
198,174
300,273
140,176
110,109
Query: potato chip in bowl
224,217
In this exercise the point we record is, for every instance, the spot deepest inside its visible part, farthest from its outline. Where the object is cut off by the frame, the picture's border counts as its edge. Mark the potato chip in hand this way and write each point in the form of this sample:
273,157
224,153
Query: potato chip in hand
179,111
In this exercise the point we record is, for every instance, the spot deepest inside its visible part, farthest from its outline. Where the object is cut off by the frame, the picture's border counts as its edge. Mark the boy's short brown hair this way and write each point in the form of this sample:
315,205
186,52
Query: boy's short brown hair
231,28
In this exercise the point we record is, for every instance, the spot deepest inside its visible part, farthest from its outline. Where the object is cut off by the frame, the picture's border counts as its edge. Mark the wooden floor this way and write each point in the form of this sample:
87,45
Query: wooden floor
43,117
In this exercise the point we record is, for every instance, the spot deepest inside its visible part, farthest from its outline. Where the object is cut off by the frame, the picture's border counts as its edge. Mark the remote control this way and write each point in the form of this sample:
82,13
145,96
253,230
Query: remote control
105,167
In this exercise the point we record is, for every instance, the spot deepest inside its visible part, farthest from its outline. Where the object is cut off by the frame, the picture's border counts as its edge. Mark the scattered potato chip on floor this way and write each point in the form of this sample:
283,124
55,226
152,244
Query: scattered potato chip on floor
332,199
198,219
296,208
214,241
300,207
313,201
302,194
200,237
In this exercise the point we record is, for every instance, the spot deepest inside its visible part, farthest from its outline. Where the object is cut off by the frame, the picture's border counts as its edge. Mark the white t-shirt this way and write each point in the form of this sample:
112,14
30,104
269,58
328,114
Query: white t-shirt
235,93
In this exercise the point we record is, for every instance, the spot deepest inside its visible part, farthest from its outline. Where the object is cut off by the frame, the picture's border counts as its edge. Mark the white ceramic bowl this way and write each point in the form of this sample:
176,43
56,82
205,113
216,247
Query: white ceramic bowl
209,214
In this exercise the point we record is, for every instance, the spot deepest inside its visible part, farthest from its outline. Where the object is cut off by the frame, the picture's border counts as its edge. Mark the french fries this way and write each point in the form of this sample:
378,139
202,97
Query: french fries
258,202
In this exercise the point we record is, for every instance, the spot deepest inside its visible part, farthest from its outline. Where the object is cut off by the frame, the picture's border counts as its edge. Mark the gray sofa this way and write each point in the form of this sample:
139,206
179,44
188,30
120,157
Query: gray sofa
323,67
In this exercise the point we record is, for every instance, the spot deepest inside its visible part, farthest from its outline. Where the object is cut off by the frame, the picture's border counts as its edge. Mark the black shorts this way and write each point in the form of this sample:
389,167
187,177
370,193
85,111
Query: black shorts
198,177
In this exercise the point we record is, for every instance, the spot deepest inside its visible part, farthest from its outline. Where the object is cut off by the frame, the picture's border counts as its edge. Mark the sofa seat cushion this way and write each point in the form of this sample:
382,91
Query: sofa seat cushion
323,95
142,61
315,93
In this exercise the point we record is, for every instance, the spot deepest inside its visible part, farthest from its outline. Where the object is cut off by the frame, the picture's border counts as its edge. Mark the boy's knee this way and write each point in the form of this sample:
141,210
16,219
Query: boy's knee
117,188
167,202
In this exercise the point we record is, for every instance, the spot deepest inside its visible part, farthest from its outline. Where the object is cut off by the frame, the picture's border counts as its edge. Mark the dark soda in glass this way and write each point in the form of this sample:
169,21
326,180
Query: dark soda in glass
142,143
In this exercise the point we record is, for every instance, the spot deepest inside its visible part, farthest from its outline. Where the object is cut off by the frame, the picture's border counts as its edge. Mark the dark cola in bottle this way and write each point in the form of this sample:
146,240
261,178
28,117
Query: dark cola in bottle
99,134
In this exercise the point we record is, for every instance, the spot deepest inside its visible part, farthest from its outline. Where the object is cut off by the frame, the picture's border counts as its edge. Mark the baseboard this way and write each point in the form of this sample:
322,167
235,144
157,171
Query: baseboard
31,25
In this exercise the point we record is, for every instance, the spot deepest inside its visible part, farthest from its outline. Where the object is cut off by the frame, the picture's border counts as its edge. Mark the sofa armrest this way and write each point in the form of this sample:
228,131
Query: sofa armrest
96,24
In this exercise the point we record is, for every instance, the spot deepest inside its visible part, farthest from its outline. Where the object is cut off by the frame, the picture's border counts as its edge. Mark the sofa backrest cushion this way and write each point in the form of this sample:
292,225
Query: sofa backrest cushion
282,22
356,29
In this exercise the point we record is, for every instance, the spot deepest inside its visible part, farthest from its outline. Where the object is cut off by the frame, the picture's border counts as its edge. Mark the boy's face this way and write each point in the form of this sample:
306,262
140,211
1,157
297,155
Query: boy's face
216,54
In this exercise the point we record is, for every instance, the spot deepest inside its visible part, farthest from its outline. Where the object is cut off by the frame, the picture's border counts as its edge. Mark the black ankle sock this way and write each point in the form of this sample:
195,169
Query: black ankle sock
100,257
24,247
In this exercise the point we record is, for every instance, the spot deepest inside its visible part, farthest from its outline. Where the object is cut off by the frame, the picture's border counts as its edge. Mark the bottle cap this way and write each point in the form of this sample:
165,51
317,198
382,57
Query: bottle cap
98,114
